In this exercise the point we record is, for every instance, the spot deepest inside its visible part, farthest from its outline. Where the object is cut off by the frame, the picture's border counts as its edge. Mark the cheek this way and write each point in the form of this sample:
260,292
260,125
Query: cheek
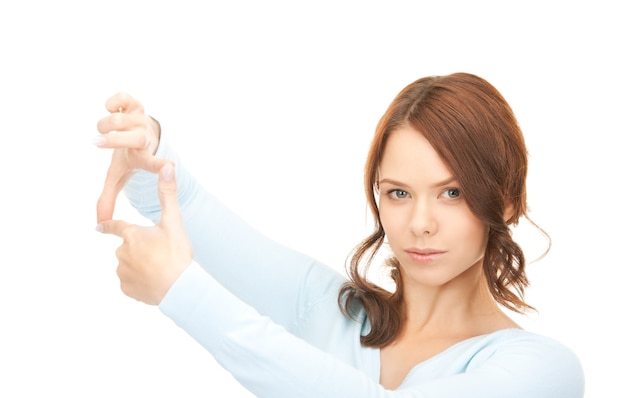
386,219
393,223
472,229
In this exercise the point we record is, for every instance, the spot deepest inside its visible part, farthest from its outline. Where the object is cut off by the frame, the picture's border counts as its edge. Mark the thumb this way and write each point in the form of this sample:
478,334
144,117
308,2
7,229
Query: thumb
168,196
113,227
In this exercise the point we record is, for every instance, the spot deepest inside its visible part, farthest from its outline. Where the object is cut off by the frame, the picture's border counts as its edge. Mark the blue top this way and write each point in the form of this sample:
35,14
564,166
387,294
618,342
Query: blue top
269,315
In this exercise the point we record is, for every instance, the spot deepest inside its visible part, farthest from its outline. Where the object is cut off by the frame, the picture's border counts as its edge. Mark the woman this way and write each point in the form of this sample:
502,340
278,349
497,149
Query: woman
445,179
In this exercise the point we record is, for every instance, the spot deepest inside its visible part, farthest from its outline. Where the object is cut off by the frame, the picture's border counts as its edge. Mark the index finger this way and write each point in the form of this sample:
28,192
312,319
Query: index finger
123,102
113,183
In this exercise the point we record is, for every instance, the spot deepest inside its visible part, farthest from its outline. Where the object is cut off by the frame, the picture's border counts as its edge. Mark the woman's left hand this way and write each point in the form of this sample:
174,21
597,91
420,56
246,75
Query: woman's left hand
152,258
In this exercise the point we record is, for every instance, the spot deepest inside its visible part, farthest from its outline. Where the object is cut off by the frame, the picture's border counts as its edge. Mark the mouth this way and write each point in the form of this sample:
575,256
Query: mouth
424,256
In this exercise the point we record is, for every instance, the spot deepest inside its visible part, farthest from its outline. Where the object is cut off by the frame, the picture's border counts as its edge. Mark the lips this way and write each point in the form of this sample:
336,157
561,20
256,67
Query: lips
424,256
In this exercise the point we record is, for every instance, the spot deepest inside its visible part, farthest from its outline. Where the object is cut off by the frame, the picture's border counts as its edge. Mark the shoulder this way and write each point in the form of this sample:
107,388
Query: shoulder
531,357
505,363
532,347
533,344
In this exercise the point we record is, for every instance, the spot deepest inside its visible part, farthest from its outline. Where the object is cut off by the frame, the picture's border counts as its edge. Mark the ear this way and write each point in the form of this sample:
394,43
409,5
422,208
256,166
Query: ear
509,210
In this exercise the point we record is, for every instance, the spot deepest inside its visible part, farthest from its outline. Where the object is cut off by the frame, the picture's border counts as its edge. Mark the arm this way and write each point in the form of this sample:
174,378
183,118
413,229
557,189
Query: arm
261,355
156,267
271,362
272,278
263,273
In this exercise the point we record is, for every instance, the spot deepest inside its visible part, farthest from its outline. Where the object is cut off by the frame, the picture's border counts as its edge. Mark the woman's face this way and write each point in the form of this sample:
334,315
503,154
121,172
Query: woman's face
428,224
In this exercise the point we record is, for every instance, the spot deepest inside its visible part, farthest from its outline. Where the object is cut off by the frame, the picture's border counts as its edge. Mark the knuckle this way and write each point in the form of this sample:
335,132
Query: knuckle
128,233
116,120
102,125
122,96
144,140
120,273
124,288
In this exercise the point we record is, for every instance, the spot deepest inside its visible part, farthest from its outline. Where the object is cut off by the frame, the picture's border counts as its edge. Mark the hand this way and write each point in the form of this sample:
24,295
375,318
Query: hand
152,258
135,139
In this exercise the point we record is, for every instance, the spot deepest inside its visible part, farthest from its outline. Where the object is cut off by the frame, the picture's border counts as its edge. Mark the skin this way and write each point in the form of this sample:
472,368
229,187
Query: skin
440,245
150,258
446,296
135,138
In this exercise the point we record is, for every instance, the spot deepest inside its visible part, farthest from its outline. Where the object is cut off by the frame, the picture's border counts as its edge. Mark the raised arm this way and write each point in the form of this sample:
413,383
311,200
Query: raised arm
272,363
155,267
274,279
269,276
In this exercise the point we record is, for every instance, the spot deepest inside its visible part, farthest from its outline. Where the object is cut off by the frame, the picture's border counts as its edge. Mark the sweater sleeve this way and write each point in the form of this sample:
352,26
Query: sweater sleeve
270,362
265,358
271,277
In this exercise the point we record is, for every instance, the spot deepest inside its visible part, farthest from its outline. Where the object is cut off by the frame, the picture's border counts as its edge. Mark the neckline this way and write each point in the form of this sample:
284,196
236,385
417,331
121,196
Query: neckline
444,352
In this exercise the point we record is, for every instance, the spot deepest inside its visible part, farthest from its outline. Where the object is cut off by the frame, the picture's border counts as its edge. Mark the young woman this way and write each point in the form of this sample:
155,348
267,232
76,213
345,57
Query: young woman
445,180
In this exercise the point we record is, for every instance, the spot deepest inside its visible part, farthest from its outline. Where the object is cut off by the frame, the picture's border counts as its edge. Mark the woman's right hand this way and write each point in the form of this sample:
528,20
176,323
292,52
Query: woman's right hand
134,137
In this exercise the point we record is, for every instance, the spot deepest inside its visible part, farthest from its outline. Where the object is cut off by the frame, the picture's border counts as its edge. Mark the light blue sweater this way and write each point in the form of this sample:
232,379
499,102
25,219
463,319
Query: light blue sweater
269,315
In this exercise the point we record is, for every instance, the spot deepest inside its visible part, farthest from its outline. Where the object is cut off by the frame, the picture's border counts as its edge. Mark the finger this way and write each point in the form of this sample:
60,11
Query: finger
123,102
168,195
153,164
106,205
113,184
117,121
133,139
113,227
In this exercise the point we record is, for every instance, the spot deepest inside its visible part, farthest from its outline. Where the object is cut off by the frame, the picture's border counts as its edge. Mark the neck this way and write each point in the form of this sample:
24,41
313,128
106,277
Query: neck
463,307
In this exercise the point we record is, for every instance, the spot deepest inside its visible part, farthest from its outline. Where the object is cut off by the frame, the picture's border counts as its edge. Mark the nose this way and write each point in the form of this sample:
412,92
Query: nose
423,219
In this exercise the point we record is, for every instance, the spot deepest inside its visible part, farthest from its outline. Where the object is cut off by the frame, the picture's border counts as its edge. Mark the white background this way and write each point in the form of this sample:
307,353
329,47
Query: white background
272,105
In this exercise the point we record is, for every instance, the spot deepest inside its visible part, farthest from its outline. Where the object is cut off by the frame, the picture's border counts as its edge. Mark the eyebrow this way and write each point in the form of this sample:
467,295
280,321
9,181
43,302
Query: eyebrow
401,184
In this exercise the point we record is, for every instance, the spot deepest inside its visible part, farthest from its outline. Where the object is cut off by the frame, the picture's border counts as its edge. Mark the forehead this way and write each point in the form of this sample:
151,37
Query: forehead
408,156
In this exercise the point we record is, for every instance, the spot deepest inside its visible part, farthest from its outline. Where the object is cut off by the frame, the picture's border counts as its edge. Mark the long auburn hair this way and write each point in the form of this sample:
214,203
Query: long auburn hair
474,131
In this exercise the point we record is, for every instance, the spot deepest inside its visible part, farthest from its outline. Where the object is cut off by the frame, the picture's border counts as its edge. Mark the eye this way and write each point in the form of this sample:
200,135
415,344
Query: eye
397,194
451,193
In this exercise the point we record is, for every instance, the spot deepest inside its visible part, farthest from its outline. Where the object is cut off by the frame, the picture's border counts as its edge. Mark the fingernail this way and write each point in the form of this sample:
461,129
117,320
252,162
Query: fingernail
99,141
99,228
168,172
